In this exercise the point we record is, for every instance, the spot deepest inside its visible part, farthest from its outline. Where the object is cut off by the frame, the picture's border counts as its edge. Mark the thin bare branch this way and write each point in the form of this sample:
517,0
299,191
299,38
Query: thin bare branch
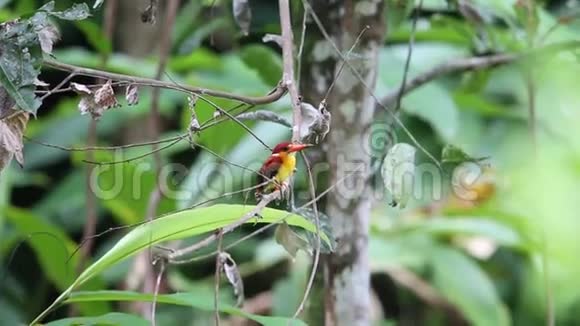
317,248
269,98
301,48
59,86
154,120
156,291
105,148
229,115
136,157
218,269
288,64
409,56
343,63
475,63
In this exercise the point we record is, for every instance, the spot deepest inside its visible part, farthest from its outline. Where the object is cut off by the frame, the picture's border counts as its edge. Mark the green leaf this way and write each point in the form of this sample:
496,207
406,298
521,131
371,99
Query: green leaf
110,319
398,173
325,228
183,299
265,61
201,59
51,245
475,102
465,285
182,225
290,240
94,34
497,231
4,3
24,97
65,191
176,226
124,194
435,105
453,154
194,39
10,312
52,248
432,102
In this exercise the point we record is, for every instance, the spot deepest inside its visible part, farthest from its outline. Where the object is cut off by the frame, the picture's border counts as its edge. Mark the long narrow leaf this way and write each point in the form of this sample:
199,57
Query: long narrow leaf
181,299
176,226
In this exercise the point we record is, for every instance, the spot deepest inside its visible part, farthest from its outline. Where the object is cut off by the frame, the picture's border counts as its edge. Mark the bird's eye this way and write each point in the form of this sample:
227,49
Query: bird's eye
287,148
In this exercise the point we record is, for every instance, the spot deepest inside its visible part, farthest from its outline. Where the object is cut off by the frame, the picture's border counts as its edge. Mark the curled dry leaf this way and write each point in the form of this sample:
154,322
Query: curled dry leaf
194,125
98,3
275,38
40,83
132,94
230,268
47,35
95,102
242,15
11,130
149,15
315,123
105,96
399,172
81,89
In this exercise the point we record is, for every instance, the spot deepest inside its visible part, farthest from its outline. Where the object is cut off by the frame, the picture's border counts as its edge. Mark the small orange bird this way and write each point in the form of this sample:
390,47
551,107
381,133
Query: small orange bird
278,167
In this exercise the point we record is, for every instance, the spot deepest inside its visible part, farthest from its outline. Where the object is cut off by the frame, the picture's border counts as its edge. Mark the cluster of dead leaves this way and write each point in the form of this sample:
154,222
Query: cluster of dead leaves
97,102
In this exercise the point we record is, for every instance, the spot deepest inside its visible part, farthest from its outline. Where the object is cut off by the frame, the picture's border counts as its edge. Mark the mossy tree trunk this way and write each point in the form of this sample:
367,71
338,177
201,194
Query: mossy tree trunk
346,271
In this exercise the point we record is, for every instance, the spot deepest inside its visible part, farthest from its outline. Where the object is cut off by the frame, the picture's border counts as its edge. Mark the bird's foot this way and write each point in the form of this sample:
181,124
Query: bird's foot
284,191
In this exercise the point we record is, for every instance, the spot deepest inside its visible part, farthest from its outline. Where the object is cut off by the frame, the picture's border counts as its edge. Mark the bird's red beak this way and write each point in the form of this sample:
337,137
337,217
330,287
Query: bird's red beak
297,147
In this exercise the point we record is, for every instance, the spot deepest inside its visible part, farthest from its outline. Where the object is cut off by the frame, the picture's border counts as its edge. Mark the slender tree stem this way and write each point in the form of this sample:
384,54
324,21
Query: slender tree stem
288,63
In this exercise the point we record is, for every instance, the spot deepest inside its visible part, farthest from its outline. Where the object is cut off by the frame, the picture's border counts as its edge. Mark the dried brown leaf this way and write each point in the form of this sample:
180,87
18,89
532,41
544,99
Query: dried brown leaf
275,38
80,89
105,96
11,130
95,102
132,94
149,15
232,273
47,35
194,125
242,15
315,122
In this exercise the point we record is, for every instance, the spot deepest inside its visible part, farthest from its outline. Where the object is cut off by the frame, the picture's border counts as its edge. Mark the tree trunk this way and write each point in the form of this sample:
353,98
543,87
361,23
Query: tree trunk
347,273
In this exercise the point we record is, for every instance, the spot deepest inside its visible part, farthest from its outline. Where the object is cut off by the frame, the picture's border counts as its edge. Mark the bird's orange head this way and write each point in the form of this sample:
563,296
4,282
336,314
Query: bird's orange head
288,147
